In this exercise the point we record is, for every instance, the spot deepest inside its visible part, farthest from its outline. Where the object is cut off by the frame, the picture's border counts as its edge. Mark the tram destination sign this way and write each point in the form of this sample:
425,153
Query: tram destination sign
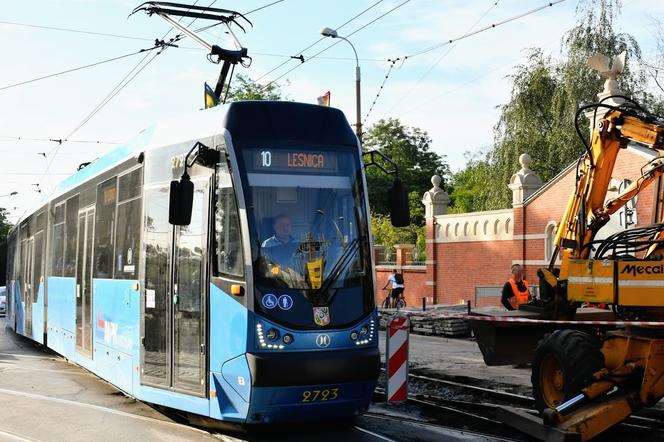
293,160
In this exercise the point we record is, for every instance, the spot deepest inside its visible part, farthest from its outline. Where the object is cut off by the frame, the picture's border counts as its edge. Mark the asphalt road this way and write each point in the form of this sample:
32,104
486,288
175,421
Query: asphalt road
43,397
461,359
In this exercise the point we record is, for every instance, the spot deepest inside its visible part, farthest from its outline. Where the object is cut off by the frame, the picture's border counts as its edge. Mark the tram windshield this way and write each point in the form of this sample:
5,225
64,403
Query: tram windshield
307,218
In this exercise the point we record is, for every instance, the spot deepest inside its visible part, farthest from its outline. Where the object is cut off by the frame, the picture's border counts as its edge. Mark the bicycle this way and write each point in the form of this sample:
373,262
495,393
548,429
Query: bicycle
399,304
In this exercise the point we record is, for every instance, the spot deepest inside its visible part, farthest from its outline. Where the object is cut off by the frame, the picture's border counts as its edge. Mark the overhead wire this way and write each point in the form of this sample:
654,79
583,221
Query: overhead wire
263,7
318,41
377,60
464,36
437,62
205,28
119,87
495,70
56,140
486,28
55,74
380,89
78,31
339,41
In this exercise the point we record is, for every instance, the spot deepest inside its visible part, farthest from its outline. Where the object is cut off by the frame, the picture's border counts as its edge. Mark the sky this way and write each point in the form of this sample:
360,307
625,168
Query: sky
452,92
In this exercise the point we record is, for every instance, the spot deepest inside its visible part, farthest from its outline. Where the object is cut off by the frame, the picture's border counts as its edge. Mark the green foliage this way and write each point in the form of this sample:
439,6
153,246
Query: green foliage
385,234
5,225
409,148
539,118
242,88
470,184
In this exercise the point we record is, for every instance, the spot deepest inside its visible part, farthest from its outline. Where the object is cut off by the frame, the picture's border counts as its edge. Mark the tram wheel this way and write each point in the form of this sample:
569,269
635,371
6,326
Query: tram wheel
564,362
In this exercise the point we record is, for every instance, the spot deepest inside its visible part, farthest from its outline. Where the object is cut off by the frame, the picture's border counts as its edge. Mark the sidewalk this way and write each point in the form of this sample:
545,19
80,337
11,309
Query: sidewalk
44,397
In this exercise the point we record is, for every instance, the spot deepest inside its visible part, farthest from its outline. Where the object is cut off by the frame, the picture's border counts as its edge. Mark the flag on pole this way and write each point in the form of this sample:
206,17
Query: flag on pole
211,99
324,100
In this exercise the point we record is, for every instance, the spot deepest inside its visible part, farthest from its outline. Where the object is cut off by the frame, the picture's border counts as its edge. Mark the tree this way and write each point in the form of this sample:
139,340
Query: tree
385,234
5,225
539,119
242,88
409,148
469,185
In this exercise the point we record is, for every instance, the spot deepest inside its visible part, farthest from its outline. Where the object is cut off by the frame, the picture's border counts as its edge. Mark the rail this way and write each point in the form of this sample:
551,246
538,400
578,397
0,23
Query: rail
458,404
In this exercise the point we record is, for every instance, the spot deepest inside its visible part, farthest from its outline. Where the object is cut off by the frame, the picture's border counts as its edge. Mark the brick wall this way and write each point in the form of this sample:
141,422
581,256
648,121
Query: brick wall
414,284
464,263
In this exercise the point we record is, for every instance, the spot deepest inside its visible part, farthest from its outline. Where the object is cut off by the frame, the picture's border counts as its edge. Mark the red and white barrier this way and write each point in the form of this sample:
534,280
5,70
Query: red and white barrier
398,329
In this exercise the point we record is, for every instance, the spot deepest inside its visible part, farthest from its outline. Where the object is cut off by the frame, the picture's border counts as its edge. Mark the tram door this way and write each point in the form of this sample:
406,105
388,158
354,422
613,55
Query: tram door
86,222
176,287
28,252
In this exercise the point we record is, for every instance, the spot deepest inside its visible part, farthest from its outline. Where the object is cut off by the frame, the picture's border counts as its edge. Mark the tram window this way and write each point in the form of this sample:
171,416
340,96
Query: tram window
58,252
37,266
130,185
104,228
41,221
128,231
38,222
127,238
230,260
71,223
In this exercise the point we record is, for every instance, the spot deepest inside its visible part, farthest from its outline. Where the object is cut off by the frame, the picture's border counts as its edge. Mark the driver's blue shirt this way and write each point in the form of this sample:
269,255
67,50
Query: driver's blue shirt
274,241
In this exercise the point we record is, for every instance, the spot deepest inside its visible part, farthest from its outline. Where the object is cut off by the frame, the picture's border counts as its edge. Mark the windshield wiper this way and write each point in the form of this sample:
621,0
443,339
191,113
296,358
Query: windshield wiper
338,267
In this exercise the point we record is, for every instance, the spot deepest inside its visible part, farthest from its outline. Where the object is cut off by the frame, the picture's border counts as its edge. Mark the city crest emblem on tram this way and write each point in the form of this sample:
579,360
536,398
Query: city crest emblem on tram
322,315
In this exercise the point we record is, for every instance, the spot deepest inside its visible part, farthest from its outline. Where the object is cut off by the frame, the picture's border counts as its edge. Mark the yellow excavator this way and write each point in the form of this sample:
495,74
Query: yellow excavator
584,383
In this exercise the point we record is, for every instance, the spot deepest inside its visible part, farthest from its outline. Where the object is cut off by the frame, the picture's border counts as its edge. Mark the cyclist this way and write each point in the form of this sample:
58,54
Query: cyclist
397,288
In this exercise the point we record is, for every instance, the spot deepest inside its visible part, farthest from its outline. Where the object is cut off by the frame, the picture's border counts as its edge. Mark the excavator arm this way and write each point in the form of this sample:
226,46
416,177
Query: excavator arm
584,385
586,211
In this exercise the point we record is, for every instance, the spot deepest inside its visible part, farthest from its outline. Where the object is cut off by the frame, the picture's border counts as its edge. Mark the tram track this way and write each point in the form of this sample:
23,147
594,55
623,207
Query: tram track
474,408
428,424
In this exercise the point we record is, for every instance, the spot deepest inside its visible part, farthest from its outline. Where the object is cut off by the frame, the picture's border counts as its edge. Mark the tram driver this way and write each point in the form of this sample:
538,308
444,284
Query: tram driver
279,250
282,227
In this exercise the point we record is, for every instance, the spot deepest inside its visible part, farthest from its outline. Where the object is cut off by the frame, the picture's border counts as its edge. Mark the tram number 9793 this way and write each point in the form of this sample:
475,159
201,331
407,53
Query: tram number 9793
328,394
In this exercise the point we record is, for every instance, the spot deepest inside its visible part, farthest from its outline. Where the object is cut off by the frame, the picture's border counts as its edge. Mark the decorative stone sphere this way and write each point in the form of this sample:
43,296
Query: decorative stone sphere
525,160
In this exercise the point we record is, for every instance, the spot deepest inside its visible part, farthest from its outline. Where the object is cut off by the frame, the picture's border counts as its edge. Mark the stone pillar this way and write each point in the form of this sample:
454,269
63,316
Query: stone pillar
435,203
600,63
402,253
436,199
525,182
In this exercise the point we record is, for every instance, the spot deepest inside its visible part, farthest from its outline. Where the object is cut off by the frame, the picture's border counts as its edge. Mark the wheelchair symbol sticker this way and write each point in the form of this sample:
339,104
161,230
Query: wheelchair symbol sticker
285,302
269,301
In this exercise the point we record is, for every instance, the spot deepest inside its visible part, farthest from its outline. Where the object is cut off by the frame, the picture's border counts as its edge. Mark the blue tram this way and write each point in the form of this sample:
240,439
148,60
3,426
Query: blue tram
258,310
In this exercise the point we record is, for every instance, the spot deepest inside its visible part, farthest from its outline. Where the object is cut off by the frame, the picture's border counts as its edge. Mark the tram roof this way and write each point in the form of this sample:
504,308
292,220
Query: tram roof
247,121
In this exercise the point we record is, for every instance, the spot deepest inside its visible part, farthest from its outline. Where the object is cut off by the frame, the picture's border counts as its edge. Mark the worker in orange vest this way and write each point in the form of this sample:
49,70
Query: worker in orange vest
515,290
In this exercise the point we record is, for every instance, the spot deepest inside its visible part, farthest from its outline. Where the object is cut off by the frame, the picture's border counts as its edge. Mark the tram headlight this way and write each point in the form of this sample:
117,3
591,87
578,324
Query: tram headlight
364,330
288,338
353,335
272,334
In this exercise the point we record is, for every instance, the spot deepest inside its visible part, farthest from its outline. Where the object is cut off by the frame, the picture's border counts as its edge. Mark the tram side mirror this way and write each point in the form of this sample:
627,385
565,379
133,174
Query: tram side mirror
181,201
397,200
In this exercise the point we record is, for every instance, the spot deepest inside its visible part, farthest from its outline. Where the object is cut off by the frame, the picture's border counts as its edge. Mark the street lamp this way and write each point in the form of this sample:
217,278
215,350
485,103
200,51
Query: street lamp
329,32
10,194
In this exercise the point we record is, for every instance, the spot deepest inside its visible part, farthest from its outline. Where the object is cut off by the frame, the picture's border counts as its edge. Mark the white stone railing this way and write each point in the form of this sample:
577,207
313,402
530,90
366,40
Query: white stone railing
493,225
